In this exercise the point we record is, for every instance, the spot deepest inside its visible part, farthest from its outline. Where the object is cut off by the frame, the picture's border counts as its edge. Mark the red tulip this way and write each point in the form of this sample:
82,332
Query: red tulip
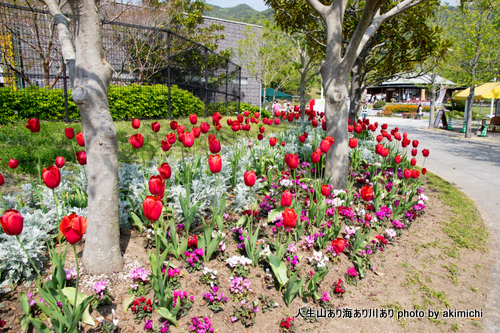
339,245
407,173
156,186
193,119
415,143
246,113
165,145
136,123
211,137
196,132
302,138
367,192
2,181
415,174
214,163
413,161
323,125
13,163
286,199
368,217
384,126
136,140
273,142
229,122
325,190
188,139
358,129
171,138
240,118
397,159
425,152
292,160
214,146
69,132
283,143
276,121
324,146
81,157
80,139
173,125
379,148
59,162
397,136
180,129
73,227
12,222
256,114
424,171
316,156
414,152
155,126
385,152
152,208
250,144
204,127
165,171
249,178
260,137
216,117
33,125
51,177
314,123
353,142
350,128
289,218
235,126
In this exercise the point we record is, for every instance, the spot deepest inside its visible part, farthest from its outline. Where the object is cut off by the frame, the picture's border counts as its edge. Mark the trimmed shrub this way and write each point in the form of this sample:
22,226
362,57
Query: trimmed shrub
405,108
134,101
232,108
378,105
458,105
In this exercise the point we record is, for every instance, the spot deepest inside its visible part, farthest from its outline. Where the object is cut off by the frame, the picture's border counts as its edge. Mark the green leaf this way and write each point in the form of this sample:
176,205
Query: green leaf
137,221
279,269
241,221
126,302
25,305
69,292
165,313
274,213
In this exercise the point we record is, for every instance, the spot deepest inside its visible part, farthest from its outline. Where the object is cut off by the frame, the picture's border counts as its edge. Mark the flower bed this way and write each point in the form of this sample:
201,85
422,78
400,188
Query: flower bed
258,207
405,108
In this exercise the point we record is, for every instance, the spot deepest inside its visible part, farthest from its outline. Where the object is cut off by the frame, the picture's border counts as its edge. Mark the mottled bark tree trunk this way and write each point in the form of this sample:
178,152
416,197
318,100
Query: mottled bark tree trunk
433,102
356,103
90,77
470,100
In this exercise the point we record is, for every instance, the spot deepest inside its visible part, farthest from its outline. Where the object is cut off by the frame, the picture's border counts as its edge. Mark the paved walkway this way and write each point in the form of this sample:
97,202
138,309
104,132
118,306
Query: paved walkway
473,165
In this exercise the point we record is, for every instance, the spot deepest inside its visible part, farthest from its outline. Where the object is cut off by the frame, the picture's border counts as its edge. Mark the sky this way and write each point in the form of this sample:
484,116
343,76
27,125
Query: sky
255,4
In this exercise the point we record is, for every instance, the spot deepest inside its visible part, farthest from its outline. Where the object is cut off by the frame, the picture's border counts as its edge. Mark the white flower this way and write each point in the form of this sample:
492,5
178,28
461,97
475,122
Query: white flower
265,252
115,322
390,233
285,182
338,202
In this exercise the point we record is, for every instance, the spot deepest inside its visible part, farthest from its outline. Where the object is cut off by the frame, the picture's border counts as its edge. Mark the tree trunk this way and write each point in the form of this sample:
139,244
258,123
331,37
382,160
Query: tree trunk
470,99
303,101
433,99
91,79
336,87
356,95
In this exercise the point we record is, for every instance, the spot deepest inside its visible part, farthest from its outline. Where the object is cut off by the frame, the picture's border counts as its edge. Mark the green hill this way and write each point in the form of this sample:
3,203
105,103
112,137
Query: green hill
240,13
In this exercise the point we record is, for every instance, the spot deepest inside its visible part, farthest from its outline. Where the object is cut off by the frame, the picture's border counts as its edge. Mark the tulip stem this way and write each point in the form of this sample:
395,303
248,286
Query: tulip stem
3,202
77,276
29,258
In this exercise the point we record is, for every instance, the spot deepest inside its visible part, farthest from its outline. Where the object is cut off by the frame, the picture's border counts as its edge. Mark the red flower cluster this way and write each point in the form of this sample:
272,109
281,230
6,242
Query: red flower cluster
287,322
193,241
338,287
142,304
381,239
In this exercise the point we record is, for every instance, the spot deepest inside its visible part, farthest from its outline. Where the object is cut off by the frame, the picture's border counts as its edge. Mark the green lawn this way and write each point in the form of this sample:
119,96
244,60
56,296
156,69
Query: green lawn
16,141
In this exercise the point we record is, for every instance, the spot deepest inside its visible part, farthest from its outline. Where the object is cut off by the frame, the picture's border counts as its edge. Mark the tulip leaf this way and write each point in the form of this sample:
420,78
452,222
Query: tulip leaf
137,221
165,313
272,214
241,221
279,269
127,301
69,292
25,305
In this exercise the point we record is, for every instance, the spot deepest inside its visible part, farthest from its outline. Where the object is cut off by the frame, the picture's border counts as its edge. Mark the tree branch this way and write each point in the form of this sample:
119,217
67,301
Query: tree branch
67,48
318,6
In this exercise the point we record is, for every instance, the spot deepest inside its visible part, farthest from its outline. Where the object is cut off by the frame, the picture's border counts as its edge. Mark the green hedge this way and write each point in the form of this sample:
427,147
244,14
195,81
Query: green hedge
458,105
232,108
378,105
134,101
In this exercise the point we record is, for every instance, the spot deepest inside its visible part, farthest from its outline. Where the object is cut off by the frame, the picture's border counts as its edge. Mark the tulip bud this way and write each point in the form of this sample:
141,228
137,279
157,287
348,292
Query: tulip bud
165,171
325,190
250,178
51,177
156,186
33,125
152,208
80,139
367,192
193,118
214,146
155,126
135,140
136,123
12,222
286,199
13,163
353,143
214,163
81,157
289,218
69,132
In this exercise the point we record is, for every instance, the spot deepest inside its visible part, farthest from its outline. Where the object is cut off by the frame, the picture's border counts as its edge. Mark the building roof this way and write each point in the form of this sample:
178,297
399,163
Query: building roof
420,80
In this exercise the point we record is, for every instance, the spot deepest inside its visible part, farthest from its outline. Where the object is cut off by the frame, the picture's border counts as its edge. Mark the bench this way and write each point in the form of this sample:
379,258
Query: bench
384,113
494,123
409,115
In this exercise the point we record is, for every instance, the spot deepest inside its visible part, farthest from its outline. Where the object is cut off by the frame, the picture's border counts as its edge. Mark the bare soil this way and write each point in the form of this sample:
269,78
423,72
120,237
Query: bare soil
420,271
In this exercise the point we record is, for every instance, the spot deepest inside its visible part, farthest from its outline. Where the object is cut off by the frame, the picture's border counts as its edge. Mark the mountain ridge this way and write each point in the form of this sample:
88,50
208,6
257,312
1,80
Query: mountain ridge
240,13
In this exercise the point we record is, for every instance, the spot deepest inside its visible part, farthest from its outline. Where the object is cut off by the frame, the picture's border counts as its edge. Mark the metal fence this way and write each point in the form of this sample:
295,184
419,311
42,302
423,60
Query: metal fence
142,55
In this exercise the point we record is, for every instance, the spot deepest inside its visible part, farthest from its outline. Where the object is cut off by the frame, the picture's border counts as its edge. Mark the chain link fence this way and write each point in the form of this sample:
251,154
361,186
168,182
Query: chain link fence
31,62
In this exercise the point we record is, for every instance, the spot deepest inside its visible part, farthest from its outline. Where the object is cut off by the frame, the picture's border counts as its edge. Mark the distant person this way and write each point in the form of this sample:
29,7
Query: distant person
419,111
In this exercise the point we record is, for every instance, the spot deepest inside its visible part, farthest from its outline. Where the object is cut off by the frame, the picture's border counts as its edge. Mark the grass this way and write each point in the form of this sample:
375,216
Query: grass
465,225
17,142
